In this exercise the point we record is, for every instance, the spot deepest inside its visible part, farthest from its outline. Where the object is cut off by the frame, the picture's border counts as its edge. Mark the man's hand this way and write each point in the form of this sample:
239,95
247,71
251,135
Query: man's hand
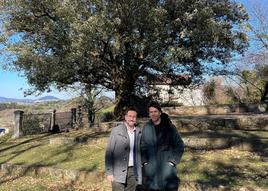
145,163
110,178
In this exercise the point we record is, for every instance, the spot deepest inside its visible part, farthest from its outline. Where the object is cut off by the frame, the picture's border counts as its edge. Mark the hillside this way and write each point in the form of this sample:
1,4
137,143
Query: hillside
38,100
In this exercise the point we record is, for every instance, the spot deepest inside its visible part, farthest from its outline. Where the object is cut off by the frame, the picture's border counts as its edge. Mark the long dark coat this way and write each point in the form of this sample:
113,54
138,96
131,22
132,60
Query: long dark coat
160,155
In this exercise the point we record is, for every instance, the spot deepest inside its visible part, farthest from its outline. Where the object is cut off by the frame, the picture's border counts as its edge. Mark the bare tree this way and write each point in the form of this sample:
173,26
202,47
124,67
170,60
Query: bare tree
256,59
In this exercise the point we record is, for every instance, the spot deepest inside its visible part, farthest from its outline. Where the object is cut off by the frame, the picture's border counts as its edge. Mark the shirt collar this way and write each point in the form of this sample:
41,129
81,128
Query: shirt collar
134,129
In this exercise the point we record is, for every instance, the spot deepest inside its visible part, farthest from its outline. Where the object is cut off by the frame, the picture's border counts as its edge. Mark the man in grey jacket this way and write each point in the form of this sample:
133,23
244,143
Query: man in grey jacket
122,157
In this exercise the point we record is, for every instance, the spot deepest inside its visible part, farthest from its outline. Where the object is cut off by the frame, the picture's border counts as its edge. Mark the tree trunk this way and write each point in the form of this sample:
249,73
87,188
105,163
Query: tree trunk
124,94
124,83
121,104
131,99
265,92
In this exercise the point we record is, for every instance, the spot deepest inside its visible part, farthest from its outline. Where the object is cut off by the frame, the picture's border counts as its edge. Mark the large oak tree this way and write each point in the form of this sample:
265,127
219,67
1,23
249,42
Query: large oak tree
117,43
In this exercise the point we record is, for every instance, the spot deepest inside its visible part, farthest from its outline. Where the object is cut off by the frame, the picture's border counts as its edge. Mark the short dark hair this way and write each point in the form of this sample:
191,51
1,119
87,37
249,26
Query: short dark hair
154,104
131,108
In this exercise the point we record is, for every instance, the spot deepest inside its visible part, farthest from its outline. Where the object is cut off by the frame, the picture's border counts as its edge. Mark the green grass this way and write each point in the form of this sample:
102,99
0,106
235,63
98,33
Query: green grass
230,168
16,182
36,150
4,138
108,109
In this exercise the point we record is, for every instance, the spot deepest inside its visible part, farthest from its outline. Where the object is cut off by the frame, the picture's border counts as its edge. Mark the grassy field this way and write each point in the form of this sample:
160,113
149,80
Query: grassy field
7,118
226,169
45,183
221,169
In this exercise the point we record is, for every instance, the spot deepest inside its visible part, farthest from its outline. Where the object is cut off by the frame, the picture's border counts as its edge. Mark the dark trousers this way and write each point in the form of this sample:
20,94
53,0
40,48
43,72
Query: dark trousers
173,189
130,184
167,189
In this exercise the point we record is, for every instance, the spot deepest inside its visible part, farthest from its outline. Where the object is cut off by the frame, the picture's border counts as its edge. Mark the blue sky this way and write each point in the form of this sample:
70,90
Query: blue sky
12,84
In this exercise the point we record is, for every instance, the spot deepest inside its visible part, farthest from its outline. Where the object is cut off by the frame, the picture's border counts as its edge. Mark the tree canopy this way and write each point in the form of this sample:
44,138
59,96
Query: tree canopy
253,67
117,43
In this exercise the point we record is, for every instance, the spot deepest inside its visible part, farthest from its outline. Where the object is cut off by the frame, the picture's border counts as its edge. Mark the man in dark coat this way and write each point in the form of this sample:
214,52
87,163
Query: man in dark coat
161,150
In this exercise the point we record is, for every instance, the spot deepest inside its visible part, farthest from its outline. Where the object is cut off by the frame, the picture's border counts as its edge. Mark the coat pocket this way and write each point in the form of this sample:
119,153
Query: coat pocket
148,170
169,175
147,174
169,171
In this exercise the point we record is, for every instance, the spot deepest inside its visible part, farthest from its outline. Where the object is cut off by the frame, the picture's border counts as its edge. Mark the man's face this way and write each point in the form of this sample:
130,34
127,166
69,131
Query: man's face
154,114
131,118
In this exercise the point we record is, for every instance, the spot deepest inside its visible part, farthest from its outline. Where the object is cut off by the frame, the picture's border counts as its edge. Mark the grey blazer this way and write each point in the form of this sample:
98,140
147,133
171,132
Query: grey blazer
117,154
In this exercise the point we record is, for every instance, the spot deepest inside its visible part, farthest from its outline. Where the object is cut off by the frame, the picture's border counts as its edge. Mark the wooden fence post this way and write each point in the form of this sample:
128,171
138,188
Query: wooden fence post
18,117
80,117
73,110
53,119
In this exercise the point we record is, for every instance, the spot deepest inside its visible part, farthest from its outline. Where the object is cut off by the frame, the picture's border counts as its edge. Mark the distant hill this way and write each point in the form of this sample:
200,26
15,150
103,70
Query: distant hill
46,99
38,100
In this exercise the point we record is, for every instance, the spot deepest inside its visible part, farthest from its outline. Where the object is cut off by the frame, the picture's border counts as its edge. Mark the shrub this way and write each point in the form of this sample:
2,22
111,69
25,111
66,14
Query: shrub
171,104
5,137
107,116
32,124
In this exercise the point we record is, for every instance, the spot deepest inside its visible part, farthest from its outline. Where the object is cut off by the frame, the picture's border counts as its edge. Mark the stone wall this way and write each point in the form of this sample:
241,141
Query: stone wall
227,122
216,110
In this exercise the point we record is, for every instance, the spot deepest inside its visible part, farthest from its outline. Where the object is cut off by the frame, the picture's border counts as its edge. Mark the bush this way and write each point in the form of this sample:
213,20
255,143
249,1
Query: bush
32,124
5,137
107,116
171,104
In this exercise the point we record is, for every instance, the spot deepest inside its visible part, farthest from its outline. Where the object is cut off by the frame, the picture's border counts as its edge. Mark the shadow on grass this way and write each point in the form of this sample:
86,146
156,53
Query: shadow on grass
25,142
89,137
61,155
230,176
19,152
223,175
200,173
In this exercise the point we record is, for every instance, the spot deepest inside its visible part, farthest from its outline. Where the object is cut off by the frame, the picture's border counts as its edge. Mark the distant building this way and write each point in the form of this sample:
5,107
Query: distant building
176,89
